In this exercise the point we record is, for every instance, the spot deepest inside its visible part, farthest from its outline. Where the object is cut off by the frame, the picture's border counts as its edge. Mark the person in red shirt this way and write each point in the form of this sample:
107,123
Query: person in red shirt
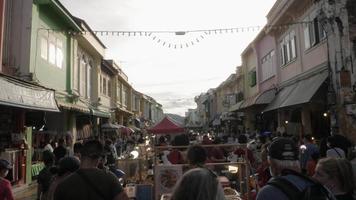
5,185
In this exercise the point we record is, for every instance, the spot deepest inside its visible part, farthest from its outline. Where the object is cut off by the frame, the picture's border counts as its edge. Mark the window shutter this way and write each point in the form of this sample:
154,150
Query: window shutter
306,35
88,81
44,48
283,59
293,47
252,78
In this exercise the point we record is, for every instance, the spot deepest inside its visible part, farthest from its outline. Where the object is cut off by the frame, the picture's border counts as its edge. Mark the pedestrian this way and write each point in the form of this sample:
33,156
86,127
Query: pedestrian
336,174
310,149
196,156
89,182
5,185
198,184
288,183
60,151
48,144
335,149
45,176
66,166
76,149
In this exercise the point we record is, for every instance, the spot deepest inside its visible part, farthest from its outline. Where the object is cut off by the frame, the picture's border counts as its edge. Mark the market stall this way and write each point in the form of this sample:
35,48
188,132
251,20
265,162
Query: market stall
234,173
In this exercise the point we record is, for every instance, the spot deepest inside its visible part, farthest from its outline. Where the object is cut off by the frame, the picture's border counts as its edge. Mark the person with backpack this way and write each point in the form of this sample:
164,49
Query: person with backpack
336,174
287,182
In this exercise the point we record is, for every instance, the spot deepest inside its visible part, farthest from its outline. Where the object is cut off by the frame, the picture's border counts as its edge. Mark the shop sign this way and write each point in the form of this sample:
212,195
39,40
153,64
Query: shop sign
18,94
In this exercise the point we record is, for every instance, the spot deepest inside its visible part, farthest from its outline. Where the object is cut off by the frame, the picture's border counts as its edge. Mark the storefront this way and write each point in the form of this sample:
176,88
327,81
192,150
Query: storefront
17,100
301,106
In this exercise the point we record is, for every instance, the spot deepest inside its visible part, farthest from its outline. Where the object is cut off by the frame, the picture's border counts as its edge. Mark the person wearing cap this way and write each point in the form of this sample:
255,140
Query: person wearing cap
89,182
284,162
5,185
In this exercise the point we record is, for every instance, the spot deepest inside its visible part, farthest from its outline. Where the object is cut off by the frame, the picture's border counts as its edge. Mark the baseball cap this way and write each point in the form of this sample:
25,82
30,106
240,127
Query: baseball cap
283,149
4,164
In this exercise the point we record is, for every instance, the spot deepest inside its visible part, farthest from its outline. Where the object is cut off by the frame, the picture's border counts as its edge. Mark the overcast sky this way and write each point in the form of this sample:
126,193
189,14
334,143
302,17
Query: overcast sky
174,76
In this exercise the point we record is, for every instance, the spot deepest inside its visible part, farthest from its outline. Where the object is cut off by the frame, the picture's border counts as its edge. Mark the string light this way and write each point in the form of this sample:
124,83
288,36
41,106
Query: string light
155,35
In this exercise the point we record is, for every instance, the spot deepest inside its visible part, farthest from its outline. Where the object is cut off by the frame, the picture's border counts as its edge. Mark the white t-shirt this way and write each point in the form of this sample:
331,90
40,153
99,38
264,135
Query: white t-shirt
48,147
335,153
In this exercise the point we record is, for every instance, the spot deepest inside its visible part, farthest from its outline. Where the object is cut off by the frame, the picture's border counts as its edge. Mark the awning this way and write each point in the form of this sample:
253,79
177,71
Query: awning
298,93
17,93
305,90
236,106
74,107
99,113
264,97
111,126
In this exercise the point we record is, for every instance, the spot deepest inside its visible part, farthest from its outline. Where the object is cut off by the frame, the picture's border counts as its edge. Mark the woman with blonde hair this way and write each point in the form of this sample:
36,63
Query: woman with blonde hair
336,174
198,184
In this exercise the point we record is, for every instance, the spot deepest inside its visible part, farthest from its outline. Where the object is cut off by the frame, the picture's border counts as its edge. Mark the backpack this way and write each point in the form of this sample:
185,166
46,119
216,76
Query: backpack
315,191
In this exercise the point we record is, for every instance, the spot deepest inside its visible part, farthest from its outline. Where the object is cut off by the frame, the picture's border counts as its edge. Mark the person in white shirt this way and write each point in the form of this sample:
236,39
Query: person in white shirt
333,151
48,146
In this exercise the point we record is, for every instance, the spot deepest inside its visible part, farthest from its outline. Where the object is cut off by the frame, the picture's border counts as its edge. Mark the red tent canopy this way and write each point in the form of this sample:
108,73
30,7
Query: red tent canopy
166,126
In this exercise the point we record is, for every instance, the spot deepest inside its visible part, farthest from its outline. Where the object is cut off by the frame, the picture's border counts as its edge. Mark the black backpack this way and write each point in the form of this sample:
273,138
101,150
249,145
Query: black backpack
315,191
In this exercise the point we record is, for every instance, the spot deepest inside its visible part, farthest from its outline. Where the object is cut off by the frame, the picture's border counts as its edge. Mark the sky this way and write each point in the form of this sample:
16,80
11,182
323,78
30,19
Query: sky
174,76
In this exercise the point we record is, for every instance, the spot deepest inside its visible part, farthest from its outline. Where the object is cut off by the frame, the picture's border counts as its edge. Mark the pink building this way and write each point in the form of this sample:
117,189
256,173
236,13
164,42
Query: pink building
292,61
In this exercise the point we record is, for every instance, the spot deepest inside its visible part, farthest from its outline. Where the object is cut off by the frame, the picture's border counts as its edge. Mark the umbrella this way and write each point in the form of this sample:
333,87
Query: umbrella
126,130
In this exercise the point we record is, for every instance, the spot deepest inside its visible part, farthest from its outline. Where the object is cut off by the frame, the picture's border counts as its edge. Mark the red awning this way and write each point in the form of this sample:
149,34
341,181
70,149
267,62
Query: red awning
166,126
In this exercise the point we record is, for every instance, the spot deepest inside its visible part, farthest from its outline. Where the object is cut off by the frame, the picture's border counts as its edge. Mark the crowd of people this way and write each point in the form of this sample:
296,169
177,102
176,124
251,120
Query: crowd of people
286,168
281,167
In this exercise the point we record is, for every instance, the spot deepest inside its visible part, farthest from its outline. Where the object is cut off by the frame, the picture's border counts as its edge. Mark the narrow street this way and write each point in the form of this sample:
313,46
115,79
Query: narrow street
29,193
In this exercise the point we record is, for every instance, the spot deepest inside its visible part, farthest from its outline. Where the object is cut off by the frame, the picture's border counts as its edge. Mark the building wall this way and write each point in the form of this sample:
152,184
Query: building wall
264,46
249,63
44,17
16,54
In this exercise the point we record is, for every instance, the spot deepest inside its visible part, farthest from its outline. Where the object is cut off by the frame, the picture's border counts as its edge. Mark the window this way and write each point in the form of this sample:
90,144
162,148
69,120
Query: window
76,77
104,85
89,68
288,48
83,76
118,92
109,88
59,54
252,78
101,84
267,65
44,48
313,32
52,53
52,50
124,96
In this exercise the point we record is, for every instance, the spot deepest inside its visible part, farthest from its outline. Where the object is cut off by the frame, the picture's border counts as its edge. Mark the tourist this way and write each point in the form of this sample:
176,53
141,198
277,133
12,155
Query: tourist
198,184
335,149
336,174
66,166
287,181
60,151
48,144
310,149
89,182
76,149
196,156
5,185
45,176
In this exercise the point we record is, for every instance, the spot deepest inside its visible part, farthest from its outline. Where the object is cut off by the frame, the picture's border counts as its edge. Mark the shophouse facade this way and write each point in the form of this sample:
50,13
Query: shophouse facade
29,63
301,66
